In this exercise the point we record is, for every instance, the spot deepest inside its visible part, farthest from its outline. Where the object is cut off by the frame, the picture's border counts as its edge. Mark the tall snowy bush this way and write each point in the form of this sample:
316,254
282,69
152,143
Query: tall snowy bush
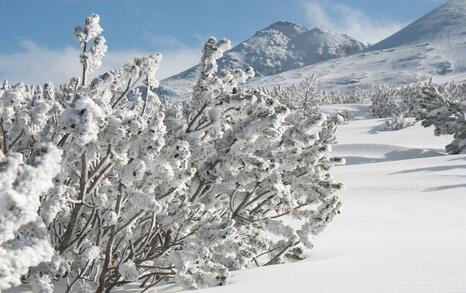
304,93
264,162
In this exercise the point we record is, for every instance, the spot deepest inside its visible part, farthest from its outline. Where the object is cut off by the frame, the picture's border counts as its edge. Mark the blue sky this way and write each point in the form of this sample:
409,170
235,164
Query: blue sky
35,30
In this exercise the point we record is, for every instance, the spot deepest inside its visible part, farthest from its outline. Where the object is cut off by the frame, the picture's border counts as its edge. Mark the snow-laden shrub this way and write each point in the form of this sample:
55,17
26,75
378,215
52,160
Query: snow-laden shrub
358,96
408,106
303,93
444,107
397,123
385,102
393,101
307,93
265,162
396,104
150,191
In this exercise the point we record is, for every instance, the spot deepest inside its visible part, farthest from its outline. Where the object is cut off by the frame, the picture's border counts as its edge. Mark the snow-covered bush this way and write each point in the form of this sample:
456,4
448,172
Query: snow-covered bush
358,96
444,107
440,105
385,101
303,93
396,104
393,101
151,191
265,162
325,97
397,123
308,93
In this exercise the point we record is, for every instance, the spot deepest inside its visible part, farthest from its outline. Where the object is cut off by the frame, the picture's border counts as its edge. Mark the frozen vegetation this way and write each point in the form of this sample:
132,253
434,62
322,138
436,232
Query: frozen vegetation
300,160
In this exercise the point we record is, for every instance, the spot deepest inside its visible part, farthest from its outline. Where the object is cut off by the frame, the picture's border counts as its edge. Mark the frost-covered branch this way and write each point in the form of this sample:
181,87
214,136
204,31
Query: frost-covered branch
91,59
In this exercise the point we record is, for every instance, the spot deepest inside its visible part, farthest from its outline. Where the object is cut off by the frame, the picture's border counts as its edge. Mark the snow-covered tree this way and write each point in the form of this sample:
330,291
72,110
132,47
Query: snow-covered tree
122,200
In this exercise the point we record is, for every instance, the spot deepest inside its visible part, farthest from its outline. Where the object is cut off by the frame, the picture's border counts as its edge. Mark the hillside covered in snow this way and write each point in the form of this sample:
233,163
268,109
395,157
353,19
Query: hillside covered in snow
431,47
284,54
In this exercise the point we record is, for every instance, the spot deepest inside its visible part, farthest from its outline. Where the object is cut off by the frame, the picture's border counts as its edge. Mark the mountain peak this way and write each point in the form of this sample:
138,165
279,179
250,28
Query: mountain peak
317,30
284,23
287,28
285,45
446,22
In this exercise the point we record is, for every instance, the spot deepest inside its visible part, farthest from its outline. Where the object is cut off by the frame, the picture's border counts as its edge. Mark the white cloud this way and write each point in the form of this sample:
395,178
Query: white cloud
177,60
341,18
36,64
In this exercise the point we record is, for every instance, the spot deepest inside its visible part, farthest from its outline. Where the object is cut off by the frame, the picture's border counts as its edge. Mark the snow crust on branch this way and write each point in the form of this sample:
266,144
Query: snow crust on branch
21,185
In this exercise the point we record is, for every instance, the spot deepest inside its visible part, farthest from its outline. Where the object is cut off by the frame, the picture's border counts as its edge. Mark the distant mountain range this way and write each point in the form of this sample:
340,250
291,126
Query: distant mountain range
280,47
433,46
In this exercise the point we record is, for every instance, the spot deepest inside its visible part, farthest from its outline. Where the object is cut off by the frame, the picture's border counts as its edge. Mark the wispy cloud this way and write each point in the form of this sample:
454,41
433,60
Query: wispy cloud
37,64
341,18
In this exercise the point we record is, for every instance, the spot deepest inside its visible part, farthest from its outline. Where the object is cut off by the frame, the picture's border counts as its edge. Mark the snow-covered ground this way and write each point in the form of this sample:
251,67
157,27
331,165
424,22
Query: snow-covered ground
402,226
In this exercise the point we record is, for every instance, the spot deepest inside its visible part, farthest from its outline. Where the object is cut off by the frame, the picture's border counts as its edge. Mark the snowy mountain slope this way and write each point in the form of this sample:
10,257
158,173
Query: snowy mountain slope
445,24
433,46
284,46
275,49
